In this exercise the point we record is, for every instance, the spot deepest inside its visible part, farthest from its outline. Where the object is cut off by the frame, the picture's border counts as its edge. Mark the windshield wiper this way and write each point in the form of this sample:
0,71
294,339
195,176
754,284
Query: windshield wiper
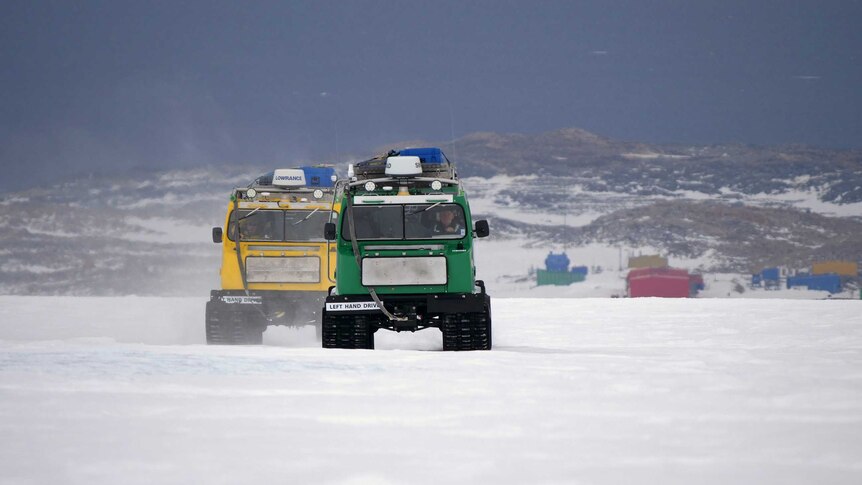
249,214
306,217
431,207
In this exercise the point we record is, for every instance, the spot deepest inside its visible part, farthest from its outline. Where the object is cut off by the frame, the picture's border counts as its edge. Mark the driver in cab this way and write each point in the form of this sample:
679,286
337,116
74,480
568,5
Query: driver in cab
448,222
256,228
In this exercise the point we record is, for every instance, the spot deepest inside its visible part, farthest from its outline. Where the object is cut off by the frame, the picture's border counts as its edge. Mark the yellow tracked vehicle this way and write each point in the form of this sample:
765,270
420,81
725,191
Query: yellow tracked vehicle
276,265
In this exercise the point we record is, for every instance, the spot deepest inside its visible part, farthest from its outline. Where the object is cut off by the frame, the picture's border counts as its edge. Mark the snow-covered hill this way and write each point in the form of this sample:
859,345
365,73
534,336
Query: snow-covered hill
99,391
147,234
601,164
728,232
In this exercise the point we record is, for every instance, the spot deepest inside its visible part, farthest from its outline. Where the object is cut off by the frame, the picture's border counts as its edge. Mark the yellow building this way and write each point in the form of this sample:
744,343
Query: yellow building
647,261
843,268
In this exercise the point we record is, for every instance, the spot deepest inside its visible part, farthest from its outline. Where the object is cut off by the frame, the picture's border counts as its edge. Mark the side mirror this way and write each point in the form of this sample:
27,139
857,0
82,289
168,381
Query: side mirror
329,231
482,229
217,235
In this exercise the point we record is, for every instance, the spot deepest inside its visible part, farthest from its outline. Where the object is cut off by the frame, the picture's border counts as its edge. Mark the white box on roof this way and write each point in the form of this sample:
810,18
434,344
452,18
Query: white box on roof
401,166
288,177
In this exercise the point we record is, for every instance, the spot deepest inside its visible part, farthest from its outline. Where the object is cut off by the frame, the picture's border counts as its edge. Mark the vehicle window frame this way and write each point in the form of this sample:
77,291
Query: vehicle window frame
345,235
233,220
319,232
446,237
229,233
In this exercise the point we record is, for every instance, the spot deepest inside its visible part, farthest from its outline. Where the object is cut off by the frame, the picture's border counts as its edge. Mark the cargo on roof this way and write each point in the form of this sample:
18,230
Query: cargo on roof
297,177
432,160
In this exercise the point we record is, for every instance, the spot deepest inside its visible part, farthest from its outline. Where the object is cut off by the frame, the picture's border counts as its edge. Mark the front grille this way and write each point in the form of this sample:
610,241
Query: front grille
404,271
297,269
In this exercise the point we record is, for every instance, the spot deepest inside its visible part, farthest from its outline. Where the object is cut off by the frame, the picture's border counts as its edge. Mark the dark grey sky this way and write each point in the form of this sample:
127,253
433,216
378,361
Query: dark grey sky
109,85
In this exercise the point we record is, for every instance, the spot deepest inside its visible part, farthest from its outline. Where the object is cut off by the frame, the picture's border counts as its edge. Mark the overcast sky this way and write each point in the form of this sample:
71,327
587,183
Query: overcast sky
111,85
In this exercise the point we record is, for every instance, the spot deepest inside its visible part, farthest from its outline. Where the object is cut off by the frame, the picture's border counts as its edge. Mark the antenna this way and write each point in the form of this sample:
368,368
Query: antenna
452,131
565,232
337,153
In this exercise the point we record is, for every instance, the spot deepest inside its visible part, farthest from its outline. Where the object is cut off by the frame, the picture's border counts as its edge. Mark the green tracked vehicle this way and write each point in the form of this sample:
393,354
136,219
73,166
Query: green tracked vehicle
406,264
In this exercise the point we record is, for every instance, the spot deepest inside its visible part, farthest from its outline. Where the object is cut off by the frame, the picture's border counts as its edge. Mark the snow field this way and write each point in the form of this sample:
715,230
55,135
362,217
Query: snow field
121,390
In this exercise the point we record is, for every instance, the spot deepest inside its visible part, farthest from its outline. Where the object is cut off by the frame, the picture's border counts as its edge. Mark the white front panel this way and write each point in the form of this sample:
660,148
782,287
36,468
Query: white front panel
288,177
404,271
258,205
401,199
297,269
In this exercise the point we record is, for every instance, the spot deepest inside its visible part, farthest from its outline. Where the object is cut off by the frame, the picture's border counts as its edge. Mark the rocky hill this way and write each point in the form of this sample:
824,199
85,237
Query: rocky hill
733,238
602,164
147,234
736,207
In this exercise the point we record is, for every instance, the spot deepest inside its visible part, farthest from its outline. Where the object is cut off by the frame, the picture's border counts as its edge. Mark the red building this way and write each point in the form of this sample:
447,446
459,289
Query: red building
659,282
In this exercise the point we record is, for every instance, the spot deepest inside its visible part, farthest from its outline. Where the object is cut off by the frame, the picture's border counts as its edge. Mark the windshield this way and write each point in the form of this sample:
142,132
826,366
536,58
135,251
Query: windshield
278,225
305,225
419,221
376,222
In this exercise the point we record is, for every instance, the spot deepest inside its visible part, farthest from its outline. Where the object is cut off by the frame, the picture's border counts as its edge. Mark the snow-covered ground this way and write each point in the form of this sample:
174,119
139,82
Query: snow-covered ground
122,390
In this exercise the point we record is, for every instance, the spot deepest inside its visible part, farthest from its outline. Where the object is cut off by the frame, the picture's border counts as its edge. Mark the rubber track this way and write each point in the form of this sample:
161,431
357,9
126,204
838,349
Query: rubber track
230,328
467,331
347,332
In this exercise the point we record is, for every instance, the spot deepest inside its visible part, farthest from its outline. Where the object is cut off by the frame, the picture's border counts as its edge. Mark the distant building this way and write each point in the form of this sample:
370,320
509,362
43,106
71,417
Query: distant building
695,284
581,270
822,282
768,277
647,261
659,282
557,272
841,268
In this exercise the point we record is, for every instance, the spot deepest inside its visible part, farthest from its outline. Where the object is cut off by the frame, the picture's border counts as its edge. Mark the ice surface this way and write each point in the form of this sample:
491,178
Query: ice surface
121,390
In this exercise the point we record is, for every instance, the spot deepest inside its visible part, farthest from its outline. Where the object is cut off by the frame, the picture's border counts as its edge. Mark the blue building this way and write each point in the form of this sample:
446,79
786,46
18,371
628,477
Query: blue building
822,282
768,277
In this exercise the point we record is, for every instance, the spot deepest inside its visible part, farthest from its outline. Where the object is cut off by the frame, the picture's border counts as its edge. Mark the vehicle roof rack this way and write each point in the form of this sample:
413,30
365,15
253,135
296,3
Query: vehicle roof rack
435,165
317,177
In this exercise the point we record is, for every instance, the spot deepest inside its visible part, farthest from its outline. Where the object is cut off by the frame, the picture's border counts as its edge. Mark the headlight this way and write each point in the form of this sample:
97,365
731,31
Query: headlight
370,186
250,193
436,185
318,193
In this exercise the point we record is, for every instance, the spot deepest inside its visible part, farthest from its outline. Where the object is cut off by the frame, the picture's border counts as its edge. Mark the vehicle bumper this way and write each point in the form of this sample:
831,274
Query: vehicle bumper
421,304
292,308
